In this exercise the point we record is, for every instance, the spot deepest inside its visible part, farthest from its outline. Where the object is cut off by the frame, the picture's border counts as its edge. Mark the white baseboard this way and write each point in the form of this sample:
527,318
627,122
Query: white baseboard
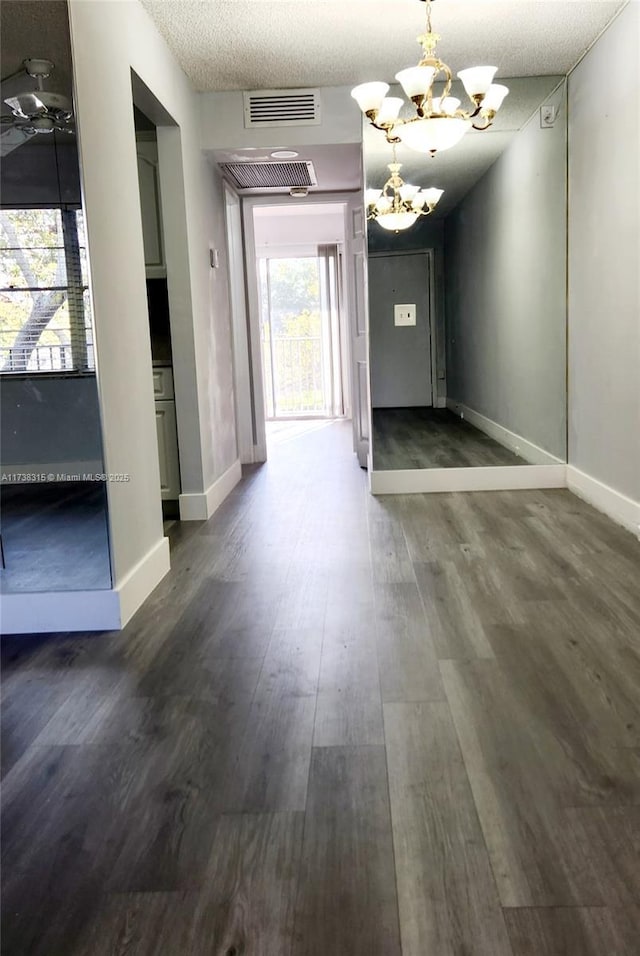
441,402
52,471
511,440
491,478
200,506
138,584
46,612
618,507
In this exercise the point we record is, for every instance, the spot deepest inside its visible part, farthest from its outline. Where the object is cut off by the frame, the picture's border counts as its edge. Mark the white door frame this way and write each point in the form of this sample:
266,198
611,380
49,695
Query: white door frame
347,201
239,332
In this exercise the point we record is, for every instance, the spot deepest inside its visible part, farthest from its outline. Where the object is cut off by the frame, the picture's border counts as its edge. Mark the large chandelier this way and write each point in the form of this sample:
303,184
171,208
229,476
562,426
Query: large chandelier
439,122
397,205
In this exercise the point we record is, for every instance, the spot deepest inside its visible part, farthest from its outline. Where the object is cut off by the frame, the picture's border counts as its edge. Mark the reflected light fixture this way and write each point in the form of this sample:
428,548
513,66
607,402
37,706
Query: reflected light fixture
439,122
397,205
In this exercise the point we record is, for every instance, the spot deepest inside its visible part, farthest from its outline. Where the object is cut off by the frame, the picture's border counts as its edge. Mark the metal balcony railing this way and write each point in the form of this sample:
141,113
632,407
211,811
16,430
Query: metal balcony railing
294,384
42,358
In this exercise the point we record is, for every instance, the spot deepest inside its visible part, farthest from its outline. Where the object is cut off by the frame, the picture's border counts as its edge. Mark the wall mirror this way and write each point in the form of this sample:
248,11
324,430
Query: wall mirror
54,501
478,377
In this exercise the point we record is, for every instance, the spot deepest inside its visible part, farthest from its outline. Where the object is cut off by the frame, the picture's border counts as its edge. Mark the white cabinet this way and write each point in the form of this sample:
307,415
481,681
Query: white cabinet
149,182
167,431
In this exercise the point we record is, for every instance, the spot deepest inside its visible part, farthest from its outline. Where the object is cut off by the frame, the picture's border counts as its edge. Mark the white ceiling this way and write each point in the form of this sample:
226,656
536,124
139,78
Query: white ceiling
264,44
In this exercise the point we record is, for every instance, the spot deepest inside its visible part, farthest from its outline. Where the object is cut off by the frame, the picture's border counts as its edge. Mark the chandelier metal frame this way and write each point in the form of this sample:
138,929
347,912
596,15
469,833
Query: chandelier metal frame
398,204
443,111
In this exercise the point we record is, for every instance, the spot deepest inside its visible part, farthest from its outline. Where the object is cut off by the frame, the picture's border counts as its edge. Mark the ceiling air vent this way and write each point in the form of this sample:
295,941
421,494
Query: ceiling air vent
282,108
270,175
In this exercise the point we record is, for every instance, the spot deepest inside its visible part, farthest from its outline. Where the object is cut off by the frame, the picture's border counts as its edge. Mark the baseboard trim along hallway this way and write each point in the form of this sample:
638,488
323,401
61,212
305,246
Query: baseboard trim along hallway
486,478
618,507
200,506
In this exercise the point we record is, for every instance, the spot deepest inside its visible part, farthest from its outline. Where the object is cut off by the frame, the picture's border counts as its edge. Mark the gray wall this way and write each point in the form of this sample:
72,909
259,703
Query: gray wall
400,355
46,420
604,260
427,233
505,282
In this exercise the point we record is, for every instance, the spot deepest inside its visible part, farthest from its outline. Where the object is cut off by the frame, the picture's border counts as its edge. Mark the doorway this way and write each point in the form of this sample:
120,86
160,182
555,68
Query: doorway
301,334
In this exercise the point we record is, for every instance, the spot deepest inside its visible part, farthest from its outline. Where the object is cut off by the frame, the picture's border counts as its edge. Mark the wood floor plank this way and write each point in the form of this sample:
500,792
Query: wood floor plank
272,766
245,904
292,663
598,667
349,706
453,618
391,563
521,771
446,891
347,902
574,931
406,655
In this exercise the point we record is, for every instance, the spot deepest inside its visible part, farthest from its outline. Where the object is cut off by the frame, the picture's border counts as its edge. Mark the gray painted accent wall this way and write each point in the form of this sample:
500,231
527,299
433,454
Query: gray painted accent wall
505,288
604,259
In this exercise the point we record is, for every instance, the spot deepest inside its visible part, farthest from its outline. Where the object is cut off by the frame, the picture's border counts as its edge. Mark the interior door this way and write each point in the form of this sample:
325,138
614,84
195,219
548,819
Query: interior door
400,355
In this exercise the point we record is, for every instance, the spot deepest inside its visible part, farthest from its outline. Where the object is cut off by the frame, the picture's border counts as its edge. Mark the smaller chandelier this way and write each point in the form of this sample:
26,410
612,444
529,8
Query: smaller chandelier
397,205
439,122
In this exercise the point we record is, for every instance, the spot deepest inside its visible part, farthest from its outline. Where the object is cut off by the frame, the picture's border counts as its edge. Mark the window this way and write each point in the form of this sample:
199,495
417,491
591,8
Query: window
45,310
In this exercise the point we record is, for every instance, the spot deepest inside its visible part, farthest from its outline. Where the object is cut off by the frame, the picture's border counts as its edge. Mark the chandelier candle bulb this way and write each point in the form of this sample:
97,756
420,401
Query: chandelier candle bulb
408,192
371,195
439,122
448,105
369,96
494,97
389,109
477,80
416,81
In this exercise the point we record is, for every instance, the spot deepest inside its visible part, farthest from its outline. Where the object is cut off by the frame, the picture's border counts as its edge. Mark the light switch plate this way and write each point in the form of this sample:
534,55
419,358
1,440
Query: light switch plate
404,314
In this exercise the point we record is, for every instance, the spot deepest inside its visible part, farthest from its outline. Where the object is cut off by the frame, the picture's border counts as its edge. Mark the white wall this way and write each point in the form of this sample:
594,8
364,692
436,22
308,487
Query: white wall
275,231
505,280
109,40
604,260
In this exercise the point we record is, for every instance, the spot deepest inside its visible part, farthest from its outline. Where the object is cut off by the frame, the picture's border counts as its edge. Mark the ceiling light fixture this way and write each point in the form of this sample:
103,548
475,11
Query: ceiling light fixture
397,205
439,122
284,154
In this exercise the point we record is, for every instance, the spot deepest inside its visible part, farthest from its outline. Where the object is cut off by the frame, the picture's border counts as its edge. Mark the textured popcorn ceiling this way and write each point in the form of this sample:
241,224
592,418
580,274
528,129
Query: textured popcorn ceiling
264,44
35,30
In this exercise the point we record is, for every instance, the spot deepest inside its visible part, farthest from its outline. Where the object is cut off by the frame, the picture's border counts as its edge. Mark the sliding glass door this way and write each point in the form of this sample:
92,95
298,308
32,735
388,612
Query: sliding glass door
301,335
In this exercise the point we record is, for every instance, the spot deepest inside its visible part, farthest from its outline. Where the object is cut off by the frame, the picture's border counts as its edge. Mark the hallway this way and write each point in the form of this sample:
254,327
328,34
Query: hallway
341,726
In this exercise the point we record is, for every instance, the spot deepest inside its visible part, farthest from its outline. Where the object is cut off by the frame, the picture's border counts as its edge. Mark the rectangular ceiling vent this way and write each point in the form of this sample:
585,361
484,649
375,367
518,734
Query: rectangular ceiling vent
281,108
270,175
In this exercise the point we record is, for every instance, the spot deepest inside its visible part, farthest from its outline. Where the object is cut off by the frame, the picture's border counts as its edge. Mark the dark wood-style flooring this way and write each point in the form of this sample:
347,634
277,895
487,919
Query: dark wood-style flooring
341,726
55,537
433,438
